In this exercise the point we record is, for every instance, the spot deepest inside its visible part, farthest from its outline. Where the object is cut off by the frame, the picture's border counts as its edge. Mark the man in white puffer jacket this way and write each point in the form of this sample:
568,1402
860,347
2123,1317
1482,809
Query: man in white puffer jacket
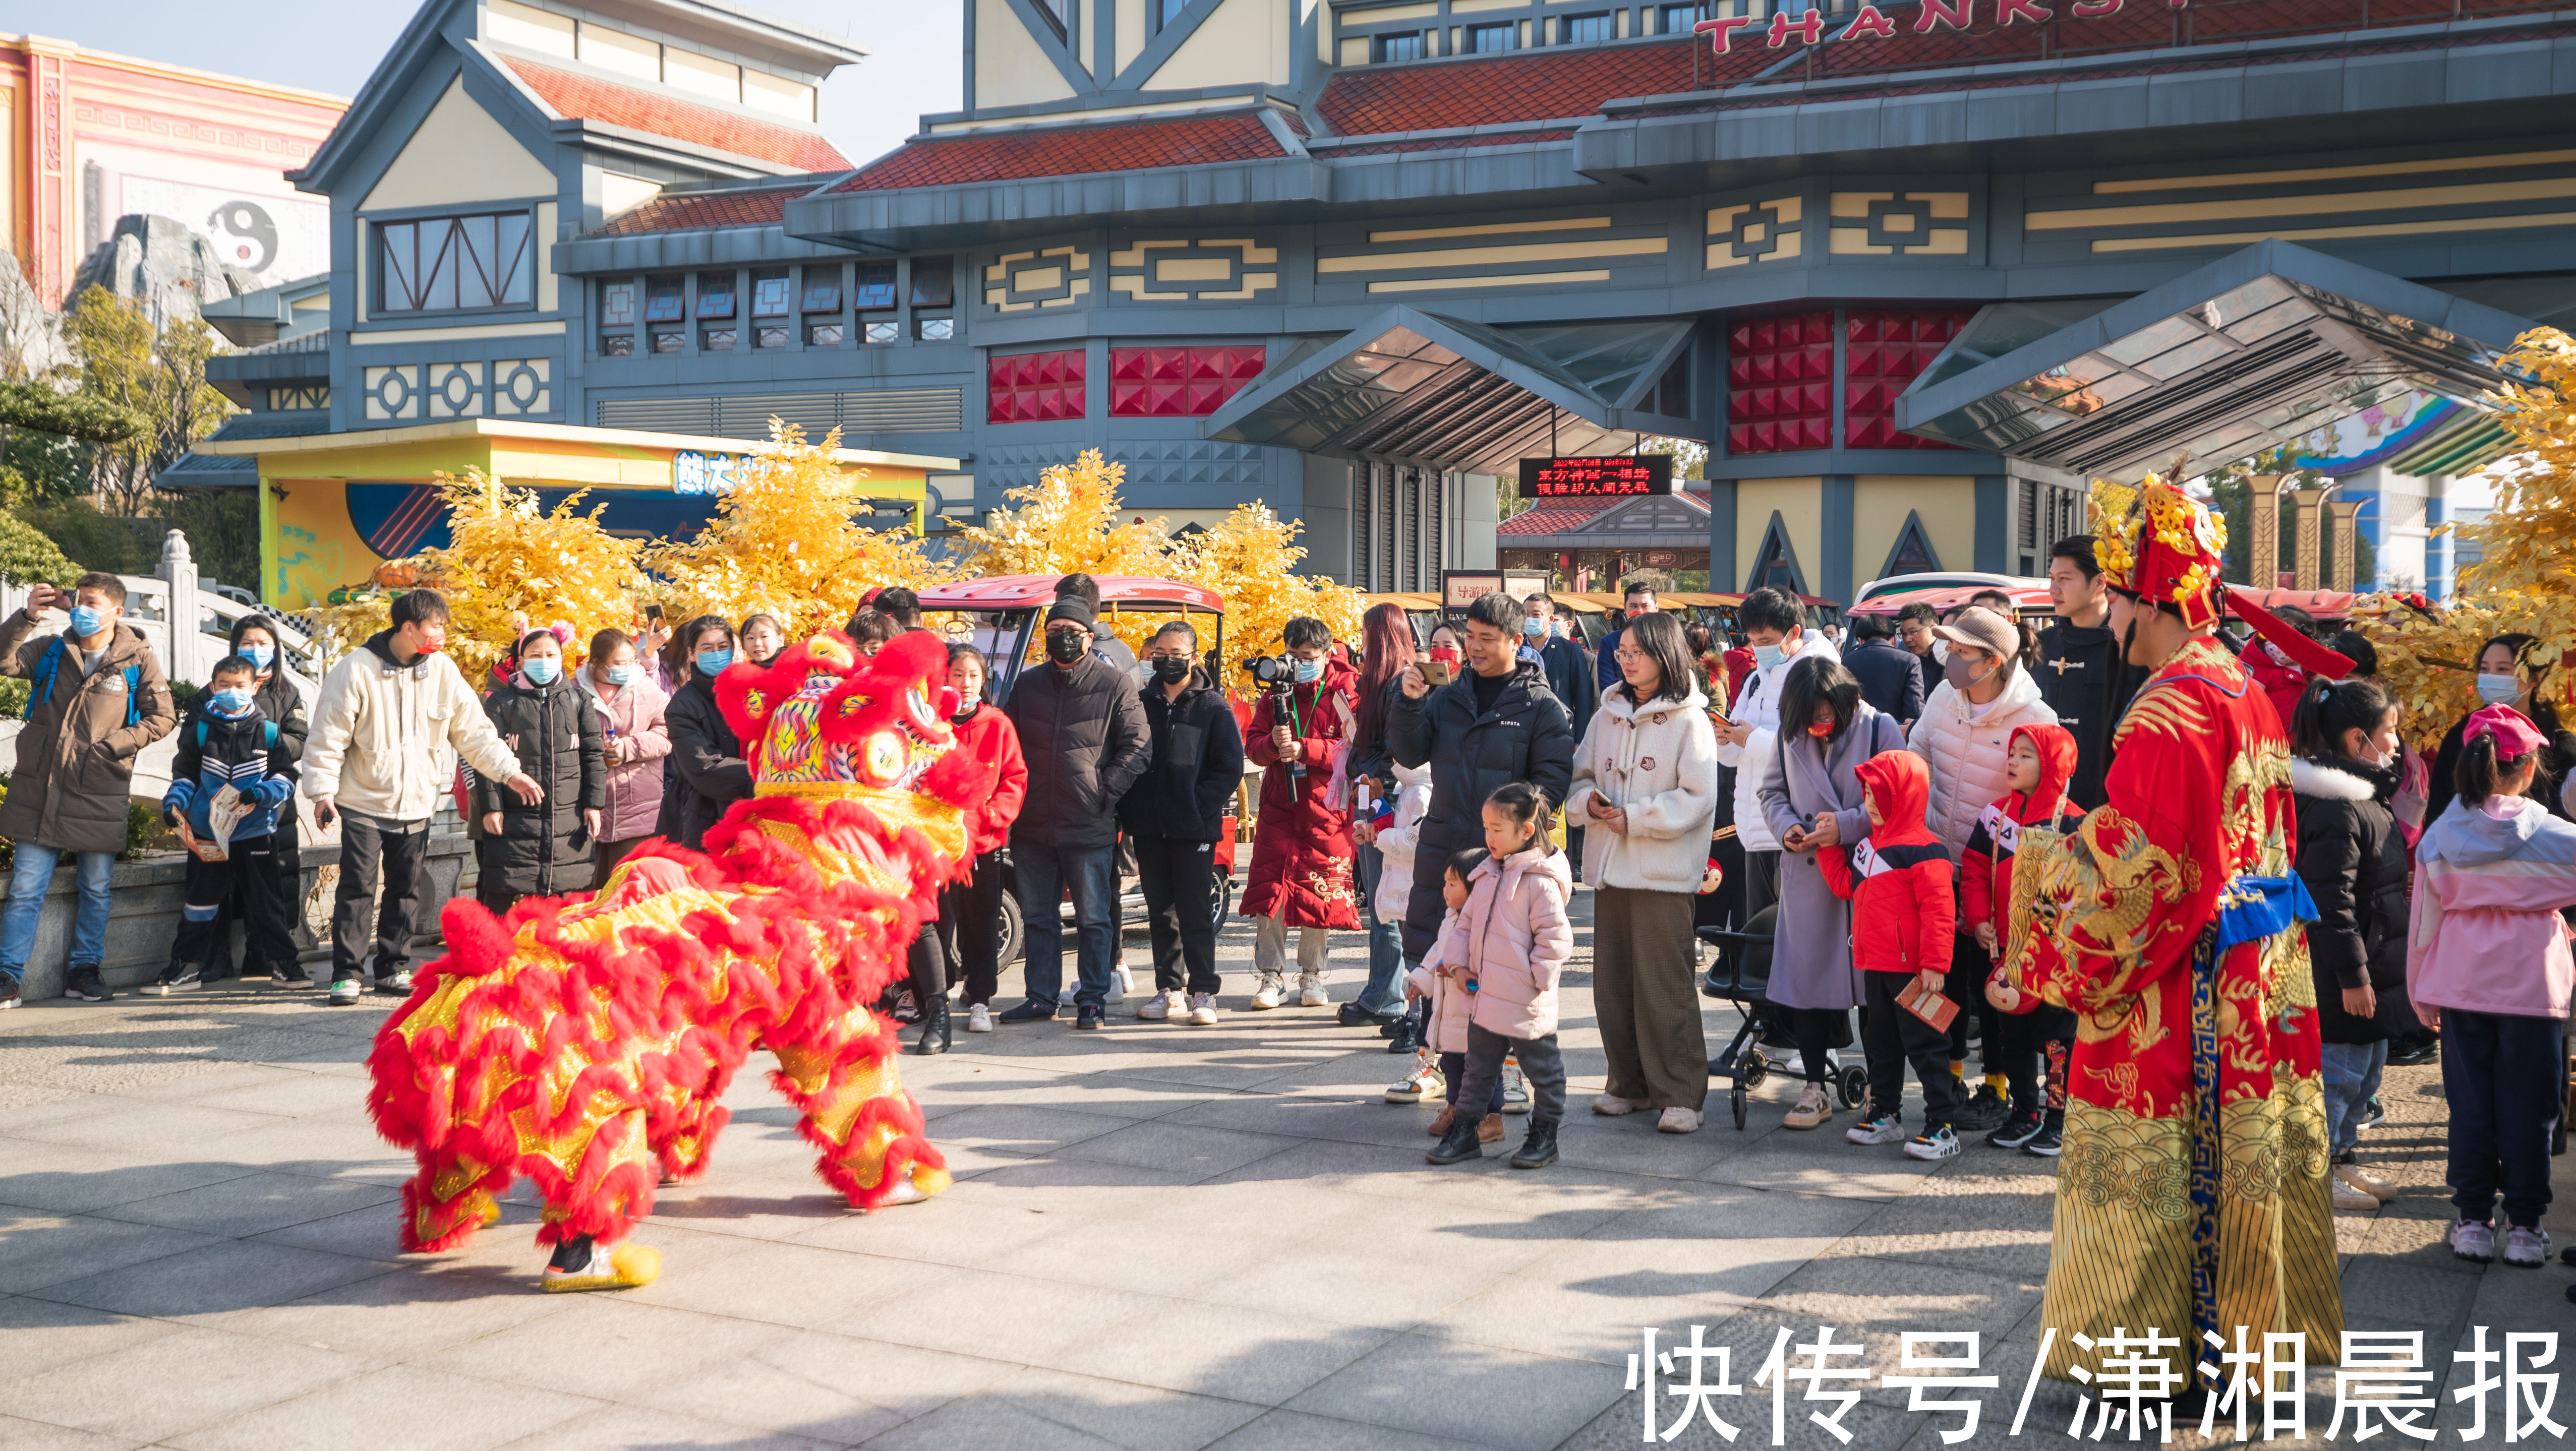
1965,736
1774,625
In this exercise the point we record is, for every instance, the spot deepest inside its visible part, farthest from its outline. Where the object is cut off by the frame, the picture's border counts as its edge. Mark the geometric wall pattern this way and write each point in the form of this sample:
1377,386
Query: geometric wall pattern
1892,224
1177,382
1025,281
1759,232
1184,271
1883,352
1780,384
1034,387
509,388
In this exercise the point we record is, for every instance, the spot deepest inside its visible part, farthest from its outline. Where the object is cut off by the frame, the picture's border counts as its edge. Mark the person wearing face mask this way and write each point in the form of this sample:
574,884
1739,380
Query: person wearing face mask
1302,856
1174,819
391,718
707,771
635,743
1571,672
1965,736
541,848
1082,732
1774,626
281,703
2507,677
228,779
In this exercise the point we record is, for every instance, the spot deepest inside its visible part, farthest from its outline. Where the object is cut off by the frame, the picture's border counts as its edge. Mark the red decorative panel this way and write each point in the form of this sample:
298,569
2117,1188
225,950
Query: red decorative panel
1882,353
1780,384
1177,382
1034,387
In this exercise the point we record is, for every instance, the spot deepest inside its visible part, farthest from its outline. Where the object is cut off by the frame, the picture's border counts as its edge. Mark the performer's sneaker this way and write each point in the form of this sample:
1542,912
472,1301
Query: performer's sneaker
602,1268
1876,1131
2526,1249
979,1018
2048,1143
397,984
2473,1240
178,977
1937,1143
1202,1010
2019,1131
344,991
1272,993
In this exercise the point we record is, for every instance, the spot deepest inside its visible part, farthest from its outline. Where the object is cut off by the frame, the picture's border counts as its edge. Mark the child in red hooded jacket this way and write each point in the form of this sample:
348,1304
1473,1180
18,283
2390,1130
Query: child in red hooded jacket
1899,882
2039,763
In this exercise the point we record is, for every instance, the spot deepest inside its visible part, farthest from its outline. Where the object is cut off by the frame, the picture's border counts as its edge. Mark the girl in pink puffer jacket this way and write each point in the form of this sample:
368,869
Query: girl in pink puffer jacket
1509,947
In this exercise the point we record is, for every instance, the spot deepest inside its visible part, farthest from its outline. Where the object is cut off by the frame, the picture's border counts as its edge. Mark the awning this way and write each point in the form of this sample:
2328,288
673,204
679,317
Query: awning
2243,355
1434,391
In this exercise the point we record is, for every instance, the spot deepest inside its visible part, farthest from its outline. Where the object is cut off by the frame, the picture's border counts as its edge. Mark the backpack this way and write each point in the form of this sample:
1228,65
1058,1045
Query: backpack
40,686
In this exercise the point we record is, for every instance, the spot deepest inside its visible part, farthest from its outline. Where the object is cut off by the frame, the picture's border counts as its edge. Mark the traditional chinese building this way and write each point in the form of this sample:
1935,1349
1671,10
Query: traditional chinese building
1914,272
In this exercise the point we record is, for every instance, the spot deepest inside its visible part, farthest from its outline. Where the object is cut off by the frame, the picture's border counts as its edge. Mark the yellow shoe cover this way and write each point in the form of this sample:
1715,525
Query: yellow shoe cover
617,1269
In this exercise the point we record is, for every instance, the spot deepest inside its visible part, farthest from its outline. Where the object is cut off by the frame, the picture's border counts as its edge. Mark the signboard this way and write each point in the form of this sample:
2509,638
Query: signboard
1460,587
693,472
1613,476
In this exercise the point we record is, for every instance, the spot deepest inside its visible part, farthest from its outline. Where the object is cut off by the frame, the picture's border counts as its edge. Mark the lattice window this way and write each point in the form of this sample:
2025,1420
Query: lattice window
455,264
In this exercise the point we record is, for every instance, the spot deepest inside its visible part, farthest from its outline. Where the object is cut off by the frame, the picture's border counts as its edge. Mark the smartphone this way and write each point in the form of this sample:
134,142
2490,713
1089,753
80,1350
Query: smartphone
653,612
1439,672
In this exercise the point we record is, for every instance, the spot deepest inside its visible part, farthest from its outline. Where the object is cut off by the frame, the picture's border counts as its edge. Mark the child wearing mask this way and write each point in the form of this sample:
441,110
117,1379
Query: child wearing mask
1512,941
2487,967
232,773
2037,1037
1898,880
541,848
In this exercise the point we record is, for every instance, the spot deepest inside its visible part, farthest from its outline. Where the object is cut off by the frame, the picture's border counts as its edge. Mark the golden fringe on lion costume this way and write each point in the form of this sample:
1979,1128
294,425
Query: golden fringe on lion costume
586,1043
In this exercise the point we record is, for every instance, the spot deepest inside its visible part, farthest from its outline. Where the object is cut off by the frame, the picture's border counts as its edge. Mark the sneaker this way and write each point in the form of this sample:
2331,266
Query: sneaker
2348,1200
1515,1087
1310,991
86,985
396,984
1938,1143
1121,983
907,1008
1031,1011
2048,1143
2473,1240
1089,1017
2355,1177
294,976
2417,1054
1678,1120
1202,1010
9,997
1159,1008
1876,1131
2019,1131
1814,1109
1426,1082
178,977
2372,1115
1272,993
344,991
1610,1105
2526,1248
979,1018
1985,1109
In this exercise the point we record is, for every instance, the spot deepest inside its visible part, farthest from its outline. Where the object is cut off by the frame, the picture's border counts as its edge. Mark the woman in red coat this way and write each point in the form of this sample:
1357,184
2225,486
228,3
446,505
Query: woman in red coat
1301,844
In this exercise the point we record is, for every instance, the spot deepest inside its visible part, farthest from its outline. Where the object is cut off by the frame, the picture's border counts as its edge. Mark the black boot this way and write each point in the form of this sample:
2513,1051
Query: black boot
1407,1037
1459,1144
937,1028
1539,1149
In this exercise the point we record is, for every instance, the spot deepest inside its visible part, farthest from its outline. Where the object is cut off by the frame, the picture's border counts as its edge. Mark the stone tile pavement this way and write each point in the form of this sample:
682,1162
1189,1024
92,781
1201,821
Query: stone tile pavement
1160,1237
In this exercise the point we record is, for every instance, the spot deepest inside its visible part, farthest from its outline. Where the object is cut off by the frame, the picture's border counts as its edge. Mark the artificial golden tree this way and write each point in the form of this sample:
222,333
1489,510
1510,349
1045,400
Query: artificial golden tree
786,541
1069,522
1251,559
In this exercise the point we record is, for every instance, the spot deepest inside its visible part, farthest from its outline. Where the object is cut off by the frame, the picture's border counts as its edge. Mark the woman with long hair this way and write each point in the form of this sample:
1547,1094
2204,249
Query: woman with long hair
2507,677
1386,635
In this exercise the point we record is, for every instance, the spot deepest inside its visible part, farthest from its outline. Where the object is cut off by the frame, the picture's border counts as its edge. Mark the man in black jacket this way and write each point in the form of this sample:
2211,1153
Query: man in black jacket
1495,724
1174,819
2080,672
1890,676
1082,729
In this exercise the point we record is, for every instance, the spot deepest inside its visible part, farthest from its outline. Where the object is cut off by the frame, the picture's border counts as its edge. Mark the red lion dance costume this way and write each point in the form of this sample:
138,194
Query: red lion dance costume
585,1043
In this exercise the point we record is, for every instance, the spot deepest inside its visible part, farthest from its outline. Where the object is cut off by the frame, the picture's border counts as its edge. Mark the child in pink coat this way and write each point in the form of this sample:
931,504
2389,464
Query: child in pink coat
1445,1005
1510,946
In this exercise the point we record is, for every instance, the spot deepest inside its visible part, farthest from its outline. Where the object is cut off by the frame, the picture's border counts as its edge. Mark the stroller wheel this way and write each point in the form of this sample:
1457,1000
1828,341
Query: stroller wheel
1736,1100
1855,1086
1752,1068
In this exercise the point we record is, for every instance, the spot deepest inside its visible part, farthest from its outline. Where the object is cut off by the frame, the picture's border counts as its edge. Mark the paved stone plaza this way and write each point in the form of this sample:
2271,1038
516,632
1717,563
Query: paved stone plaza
1160,1237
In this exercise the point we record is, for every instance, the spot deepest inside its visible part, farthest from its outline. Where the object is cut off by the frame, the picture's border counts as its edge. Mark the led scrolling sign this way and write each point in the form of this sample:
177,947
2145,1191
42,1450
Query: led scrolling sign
1873,23
1614,476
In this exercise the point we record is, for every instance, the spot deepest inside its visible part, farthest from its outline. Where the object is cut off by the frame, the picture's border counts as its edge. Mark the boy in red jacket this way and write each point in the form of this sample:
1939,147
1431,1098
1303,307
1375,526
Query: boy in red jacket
2040,761
1899,882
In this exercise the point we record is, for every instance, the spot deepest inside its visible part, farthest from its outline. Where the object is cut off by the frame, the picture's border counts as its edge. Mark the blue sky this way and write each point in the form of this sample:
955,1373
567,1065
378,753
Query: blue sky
332,45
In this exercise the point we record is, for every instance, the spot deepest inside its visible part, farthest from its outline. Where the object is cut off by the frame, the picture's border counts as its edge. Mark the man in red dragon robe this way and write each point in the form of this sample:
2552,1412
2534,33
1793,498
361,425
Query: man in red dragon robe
2192,1196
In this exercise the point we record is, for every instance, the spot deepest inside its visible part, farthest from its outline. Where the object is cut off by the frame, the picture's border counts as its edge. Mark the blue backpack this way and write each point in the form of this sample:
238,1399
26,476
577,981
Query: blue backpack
40,686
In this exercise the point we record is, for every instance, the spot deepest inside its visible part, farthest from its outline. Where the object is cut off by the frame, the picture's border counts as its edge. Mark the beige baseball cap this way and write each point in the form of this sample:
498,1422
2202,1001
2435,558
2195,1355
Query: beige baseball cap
1980,628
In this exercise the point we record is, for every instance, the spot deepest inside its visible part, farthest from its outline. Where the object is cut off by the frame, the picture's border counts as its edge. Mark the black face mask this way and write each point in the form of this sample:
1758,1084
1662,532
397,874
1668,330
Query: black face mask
1064,646
1171,669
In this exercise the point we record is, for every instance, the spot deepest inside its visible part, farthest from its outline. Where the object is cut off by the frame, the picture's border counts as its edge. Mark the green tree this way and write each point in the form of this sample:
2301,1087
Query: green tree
158,376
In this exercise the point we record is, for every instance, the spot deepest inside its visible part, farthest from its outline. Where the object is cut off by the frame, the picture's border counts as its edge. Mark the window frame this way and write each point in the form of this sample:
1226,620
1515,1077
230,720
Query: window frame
1381,45
393,298
1509,30
1565,28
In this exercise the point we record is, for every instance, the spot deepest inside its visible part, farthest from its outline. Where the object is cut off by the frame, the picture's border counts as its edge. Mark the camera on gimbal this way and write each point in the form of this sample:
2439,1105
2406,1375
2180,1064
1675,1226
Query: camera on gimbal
1274,673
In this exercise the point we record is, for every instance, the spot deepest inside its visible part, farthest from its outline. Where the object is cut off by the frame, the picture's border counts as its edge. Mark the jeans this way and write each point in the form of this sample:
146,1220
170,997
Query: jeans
1385,990
2504,1077
1044,873
28,879
2352,1076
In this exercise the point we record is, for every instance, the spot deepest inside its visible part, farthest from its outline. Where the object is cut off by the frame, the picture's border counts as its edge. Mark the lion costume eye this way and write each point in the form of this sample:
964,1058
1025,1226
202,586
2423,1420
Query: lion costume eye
884,756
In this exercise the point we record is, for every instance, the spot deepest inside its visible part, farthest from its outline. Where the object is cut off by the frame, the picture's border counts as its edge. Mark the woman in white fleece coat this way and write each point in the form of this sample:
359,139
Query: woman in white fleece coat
1645,790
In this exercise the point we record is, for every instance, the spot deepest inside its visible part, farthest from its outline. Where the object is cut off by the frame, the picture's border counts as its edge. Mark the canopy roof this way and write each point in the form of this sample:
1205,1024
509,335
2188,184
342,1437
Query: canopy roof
1430,390
2243,355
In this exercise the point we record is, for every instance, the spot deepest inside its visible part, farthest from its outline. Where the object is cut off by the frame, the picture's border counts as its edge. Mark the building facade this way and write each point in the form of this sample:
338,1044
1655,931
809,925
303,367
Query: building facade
1914,272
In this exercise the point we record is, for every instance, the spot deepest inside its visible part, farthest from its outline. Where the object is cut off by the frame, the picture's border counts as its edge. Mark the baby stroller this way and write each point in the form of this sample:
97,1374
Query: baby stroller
1742,975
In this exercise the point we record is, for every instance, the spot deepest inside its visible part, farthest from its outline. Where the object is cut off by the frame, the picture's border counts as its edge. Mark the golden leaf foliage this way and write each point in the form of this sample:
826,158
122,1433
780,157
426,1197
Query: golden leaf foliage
1072,521
784,541
2523,583
511,560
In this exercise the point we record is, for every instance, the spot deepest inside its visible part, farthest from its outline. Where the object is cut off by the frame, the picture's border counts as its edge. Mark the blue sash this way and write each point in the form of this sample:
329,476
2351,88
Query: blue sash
2249,909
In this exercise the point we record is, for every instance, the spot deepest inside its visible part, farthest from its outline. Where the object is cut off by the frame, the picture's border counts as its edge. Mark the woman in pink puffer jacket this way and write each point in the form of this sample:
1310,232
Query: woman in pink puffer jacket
630,709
